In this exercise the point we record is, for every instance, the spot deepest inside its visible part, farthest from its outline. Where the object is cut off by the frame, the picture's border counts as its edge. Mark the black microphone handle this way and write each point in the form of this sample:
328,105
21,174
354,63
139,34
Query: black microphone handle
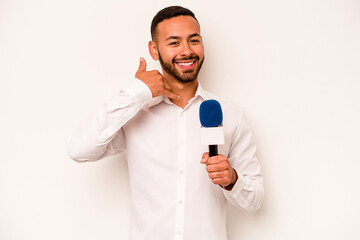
213,150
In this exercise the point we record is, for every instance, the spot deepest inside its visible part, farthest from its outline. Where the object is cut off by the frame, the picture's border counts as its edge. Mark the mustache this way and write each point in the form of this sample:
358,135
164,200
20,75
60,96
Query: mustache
191,57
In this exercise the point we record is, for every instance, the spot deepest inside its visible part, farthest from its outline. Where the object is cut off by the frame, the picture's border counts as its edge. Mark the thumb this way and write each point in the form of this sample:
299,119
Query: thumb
142,66
204,157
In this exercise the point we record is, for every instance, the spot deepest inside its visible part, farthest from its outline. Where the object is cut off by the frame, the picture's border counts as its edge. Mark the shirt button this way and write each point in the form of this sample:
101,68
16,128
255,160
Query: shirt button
181,171
182,114
180,202
178,232
181,142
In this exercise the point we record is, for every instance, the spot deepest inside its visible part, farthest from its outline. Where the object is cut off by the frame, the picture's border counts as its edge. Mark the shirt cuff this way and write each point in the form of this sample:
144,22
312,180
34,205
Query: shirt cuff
138,91
238,186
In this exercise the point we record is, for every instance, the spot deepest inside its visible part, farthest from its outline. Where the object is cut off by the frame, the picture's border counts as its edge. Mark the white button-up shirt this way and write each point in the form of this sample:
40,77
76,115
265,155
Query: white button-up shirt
173,197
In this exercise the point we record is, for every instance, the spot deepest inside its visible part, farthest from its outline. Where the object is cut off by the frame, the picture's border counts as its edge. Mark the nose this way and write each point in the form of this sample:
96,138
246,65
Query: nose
186,49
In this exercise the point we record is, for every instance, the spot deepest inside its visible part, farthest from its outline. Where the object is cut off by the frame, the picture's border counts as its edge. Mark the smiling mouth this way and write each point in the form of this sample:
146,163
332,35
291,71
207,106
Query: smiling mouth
186,65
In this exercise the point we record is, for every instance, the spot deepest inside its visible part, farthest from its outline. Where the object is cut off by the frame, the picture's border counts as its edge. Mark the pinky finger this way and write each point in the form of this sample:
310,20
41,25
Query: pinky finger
218,180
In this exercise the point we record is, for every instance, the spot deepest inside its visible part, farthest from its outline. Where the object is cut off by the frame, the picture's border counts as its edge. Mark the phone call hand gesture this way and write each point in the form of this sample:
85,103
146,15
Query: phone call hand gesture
156,82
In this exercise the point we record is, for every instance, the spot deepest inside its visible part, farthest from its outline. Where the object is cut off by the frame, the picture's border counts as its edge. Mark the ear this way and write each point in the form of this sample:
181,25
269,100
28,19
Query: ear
153,50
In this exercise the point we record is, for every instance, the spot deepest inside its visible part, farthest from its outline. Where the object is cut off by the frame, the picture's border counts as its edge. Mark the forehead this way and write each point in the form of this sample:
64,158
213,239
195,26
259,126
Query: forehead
181,26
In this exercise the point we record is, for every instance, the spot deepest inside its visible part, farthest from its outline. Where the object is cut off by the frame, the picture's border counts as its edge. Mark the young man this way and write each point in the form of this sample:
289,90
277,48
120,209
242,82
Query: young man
178,191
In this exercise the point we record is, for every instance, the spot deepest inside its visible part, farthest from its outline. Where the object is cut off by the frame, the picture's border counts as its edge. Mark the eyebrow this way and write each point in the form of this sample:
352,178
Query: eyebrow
176,37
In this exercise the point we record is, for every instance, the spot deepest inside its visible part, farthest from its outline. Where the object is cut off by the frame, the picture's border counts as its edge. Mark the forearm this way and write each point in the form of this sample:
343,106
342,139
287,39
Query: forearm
92,139
100,134
247,193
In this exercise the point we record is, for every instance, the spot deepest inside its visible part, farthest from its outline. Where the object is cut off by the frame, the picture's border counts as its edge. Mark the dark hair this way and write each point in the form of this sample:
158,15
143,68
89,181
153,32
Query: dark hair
166,13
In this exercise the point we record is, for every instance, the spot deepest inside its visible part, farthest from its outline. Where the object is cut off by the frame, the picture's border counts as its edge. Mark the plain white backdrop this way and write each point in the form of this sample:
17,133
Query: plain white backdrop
294,66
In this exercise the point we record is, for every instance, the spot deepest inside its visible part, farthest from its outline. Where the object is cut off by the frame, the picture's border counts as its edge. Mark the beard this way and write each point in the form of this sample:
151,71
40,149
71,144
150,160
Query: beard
185,76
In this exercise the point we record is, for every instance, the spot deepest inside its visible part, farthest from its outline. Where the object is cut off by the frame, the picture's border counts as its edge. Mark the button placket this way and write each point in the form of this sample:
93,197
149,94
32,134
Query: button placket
181,175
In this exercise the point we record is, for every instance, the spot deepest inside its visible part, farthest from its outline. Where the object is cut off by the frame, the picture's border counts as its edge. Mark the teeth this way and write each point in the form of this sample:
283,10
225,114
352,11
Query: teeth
185,64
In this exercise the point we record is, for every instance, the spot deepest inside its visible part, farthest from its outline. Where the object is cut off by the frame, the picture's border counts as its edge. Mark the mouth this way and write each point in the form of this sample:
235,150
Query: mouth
187,64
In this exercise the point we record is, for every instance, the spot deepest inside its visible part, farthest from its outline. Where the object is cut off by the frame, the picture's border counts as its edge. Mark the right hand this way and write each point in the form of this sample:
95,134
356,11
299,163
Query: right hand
155,81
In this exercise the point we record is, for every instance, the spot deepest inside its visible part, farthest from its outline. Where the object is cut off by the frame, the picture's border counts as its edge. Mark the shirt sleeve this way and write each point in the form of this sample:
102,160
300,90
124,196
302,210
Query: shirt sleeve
101,134
248,191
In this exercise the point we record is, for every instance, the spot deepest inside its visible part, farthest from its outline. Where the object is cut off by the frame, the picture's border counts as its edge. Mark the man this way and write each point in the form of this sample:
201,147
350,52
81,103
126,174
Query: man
178,191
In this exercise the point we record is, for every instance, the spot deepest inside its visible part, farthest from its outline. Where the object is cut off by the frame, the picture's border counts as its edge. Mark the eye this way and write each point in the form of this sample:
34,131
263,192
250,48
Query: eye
173,43
195,40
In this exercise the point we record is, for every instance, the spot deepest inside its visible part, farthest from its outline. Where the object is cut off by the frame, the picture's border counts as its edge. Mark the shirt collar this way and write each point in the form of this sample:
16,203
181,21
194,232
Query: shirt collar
200,92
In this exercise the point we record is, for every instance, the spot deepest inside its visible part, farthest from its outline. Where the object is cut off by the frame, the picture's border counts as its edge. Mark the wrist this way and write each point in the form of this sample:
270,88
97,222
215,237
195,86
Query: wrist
138,90
234,178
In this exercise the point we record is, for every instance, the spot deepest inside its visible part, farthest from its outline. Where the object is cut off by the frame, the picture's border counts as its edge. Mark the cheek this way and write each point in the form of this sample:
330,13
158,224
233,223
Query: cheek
199,51
168,54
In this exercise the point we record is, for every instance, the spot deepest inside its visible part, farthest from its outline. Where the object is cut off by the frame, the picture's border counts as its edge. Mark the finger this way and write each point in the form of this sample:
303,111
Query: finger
166,85
214,175
213,160
222,178
204,157
171,95
142,66
220,181
216,167
216,159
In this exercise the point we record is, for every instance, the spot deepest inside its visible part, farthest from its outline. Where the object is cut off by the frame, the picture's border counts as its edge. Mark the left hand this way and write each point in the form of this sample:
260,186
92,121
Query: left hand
220,170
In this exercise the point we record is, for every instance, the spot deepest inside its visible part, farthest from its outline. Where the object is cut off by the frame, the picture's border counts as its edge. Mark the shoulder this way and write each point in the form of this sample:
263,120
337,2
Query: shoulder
235,123
230,109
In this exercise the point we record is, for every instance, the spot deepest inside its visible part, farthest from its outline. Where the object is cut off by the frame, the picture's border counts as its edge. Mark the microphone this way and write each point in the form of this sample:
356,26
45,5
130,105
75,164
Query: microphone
211,119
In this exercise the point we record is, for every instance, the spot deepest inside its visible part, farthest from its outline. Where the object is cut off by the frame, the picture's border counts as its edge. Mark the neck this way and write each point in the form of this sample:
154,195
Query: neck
185,90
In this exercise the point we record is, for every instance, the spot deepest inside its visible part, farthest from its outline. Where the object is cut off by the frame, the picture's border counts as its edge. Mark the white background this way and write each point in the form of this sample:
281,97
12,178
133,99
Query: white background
294,66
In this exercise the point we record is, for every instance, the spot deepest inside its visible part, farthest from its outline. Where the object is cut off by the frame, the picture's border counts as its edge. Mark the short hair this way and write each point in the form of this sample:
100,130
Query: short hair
166,13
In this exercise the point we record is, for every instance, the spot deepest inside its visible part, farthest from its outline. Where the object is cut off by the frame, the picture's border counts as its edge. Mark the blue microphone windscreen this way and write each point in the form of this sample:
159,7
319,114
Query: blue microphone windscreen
210,113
